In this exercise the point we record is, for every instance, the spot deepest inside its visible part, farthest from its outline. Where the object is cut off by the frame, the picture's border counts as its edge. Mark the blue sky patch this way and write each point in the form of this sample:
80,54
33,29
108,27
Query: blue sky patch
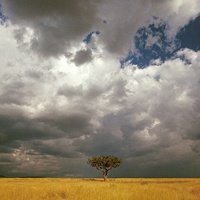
88,38
152,42
190,35
3,18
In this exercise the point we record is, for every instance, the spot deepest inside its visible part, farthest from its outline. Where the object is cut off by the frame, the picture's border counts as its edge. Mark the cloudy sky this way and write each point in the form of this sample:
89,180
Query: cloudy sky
81,78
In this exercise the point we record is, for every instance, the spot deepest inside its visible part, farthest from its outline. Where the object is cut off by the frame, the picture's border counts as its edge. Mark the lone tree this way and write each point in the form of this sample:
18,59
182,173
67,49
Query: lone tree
104,163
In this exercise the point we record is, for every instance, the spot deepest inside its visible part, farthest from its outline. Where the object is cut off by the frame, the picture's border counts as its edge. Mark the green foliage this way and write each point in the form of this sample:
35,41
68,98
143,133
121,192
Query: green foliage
104,163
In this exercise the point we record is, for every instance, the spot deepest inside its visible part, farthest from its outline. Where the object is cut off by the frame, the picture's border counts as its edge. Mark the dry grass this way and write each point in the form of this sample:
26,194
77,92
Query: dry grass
86,189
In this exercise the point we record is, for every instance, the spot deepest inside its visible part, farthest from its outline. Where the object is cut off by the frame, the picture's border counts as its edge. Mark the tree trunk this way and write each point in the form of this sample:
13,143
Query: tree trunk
105,175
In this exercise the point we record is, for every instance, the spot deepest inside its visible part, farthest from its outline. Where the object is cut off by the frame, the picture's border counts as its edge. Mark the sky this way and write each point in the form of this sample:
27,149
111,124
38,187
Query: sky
82,78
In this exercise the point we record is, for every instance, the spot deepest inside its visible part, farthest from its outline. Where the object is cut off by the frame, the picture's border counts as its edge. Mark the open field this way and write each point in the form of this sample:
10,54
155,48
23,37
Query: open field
86,189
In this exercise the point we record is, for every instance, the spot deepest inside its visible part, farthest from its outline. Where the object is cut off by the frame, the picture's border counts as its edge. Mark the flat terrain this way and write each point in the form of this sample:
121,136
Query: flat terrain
97,189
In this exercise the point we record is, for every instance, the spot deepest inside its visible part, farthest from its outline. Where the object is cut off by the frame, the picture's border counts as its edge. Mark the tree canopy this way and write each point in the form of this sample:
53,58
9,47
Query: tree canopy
104,163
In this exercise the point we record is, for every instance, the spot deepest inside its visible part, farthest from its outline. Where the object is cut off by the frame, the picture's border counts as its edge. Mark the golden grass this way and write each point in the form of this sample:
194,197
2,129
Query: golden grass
96,189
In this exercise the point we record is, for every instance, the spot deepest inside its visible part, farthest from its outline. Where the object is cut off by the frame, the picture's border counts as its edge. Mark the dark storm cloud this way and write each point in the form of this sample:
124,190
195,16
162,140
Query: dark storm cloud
20,127
56,148
16,125
27,142
99,144
82,57
73,124
12,93
55,24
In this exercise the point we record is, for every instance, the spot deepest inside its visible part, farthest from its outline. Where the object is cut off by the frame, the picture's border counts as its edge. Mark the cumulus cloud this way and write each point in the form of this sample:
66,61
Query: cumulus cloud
54,25
82,56
54,115
57,26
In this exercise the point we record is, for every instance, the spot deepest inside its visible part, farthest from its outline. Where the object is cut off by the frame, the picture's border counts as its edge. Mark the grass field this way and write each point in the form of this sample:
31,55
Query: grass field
96,189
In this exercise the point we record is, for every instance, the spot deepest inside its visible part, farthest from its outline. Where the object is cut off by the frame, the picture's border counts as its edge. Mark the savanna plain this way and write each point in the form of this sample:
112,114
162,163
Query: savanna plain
97,189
